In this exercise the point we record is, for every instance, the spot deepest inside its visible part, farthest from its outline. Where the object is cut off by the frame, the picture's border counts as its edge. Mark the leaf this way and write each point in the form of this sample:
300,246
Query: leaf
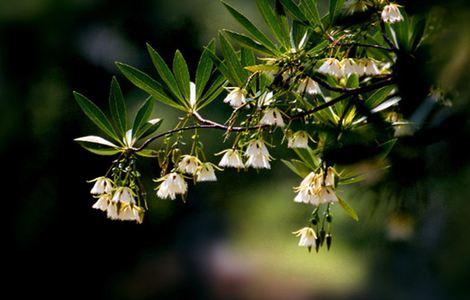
149,128
294,10
213,92
232,61
297,167
164,72
273,23
95,114
386,104
118,106
353,81
308,157
96,140
142,116
262,68
335,9
248,42
181,71
222,67
310,10
148,153
378,96
247,57
203,71
252,29
349,210
147,84
418,32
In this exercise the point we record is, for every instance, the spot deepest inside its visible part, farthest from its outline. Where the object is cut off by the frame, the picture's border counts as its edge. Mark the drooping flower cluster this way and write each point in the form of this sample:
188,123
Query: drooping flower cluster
349,66
308,237
391,13
171,185
117,201
317,188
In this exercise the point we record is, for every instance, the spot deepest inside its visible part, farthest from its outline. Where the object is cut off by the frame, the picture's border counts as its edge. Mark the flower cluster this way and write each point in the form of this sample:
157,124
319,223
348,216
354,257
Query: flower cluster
349,66
117,201
317,188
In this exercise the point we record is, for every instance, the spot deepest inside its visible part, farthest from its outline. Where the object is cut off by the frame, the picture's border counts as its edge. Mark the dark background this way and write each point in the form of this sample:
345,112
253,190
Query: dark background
232,239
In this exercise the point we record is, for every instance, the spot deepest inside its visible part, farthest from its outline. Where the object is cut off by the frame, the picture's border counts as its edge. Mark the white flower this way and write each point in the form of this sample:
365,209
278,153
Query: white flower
103,185
326,195
130,212
266,99
316,189
188,164
391,13
258,155
370,67
309,86
272,116
236,97
205,172
330,177
256,147
350,66
173,184
307,237
112,211
298,139
333,67
232,159
103,202
123,194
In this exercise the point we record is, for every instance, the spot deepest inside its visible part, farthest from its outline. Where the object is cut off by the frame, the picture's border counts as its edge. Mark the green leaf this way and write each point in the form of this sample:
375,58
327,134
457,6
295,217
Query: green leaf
95,114
262,68
252,29
353,81
147,84
349,210
308,157
149,128
148,153
233,62
248,42
98,145
294,10
181,71
247,57
142,116
298,167
164,72
223,68
204,71
418,32
118,107
213,92
274,23
378,97
310,10
335,8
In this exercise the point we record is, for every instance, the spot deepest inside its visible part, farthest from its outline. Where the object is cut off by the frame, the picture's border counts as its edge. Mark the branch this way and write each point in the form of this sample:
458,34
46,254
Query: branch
380,47
352,92
386,38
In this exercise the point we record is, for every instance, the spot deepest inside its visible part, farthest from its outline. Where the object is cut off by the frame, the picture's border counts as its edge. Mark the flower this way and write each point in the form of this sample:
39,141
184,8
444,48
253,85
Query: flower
298,139
266,99
370,68
130,212
103,202
112,211
309,86
272,116
316,188
188,164
236,97
123,194
103,185
173,183
350,66
205,172
258,155
333,67
307,237
232,159
391,13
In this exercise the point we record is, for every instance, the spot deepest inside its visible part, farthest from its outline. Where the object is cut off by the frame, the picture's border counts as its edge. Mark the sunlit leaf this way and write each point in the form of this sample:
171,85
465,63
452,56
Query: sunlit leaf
118,106
349,210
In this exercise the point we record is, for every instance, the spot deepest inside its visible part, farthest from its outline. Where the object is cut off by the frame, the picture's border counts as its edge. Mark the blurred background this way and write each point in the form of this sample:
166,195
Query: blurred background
232,239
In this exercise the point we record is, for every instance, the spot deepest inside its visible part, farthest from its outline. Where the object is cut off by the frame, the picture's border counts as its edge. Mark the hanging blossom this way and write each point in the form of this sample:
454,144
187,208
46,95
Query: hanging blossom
236,97
333,67
351,66
309,86
188,164
172,184
298,139
121,205
370,67
205,172
258,155
102,202
103,185
317,188
391,13
272,116
232,159
307,236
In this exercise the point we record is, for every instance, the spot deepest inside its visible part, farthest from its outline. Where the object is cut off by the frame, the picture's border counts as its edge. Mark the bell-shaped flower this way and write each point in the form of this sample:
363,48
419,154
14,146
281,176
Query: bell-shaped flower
370,67
258,155
298,139
172,184
102,202
236,97
391,13
309,86
333,67
231,159
307,236
351,66
188,164
123,194
272,116
112,211
103,185
205,172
